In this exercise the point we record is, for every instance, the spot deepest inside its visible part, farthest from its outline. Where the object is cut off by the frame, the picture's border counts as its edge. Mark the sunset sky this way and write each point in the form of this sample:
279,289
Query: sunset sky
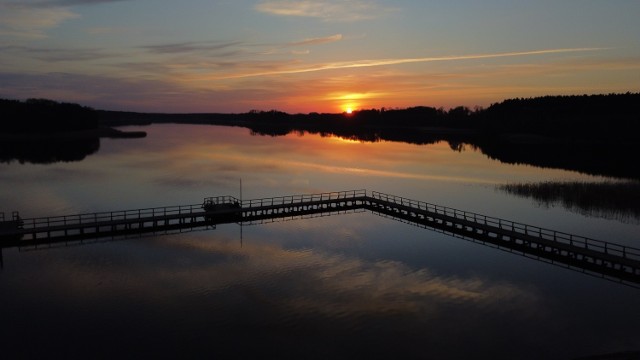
304,56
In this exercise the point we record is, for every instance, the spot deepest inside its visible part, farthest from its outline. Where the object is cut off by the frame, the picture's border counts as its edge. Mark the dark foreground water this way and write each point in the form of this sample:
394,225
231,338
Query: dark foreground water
349,286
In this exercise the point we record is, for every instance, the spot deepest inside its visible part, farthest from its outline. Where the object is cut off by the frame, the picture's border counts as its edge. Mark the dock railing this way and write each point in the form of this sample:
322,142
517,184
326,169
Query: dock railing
15,216
305,199
558,237
219,200
35,224
497,226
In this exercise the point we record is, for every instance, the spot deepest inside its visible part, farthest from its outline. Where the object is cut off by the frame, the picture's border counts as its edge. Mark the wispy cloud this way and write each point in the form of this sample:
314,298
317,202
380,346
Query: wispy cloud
54,3
55,55
31,19
317,40
188,47
233,48
328,10
26,21
106,30
386,62
138,93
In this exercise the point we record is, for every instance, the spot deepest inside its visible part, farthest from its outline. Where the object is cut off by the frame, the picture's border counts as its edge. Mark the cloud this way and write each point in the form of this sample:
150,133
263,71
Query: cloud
106,30
317,41
328,10
54,3
209,81
385,62
31,19
56,55
186,47
151,91
27,21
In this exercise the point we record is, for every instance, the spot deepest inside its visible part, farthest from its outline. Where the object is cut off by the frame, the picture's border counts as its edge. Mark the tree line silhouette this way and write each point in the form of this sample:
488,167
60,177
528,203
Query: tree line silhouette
595,134
45,116
589,118
44,131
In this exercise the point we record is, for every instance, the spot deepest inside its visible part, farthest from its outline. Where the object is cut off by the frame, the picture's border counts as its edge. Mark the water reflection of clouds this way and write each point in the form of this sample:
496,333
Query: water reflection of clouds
308,281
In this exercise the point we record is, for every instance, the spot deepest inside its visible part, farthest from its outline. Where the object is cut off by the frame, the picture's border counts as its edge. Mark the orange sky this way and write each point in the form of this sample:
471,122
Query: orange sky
323,56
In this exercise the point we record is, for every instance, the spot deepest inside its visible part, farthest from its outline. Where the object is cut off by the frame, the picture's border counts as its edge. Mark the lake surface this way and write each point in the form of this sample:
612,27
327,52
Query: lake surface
352,285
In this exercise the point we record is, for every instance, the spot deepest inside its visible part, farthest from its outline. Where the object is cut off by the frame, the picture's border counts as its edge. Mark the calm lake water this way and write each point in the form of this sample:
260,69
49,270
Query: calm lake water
344,286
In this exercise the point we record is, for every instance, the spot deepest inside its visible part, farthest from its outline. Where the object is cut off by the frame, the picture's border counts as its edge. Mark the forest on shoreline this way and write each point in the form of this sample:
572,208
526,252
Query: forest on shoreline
593,134
42,131
45,116
584,118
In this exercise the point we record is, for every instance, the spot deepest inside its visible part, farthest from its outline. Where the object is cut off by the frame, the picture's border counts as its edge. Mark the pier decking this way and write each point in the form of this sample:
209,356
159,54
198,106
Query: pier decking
600,257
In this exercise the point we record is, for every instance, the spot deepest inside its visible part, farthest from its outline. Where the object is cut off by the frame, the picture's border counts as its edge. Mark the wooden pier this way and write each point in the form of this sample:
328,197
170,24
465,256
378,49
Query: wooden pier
597,257
606,259
46,230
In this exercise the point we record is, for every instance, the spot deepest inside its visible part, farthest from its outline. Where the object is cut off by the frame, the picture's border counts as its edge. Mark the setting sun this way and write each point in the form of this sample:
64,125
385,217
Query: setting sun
349,110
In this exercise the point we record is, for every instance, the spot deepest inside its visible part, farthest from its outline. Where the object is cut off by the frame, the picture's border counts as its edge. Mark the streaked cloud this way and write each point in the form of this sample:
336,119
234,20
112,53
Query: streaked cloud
399,61
327,10
317,41
310,55
53,3
56,55
212,81
185,47
84,2
321,282
241,48
105,30
31,19
26,21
